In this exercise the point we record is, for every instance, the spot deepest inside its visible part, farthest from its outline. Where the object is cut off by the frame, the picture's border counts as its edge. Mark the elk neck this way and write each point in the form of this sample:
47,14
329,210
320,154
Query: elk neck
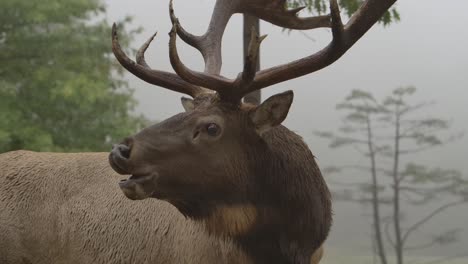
288,215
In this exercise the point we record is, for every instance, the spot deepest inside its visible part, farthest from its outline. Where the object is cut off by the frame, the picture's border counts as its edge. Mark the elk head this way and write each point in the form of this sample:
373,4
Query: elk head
200,155
223,152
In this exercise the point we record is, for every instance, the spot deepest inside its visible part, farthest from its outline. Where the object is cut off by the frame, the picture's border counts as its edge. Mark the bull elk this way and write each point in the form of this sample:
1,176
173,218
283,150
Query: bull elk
232,184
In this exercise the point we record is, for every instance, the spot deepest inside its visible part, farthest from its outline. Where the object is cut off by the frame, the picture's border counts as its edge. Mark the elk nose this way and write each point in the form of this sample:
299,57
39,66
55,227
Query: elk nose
119,158
121,151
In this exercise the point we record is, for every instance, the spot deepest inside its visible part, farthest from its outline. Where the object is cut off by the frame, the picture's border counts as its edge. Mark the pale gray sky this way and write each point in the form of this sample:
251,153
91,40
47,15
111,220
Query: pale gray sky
427,49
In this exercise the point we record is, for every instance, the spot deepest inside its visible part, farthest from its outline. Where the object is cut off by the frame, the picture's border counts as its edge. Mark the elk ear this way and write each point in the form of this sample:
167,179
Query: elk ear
187,103
272,112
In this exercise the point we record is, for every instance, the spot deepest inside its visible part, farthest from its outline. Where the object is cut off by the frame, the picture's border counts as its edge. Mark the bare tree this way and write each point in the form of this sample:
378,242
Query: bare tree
386,133
363,109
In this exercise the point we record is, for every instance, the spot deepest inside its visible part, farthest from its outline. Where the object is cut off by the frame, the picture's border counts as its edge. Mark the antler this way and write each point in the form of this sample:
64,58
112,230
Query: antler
209,44
144,72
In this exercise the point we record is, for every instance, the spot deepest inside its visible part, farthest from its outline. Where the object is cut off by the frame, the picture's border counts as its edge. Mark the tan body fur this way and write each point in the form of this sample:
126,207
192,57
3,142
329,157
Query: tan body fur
68,208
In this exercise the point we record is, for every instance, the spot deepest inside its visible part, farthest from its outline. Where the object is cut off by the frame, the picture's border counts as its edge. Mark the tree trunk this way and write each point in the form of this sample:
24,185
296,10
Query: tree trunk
249,22
375,196
396,190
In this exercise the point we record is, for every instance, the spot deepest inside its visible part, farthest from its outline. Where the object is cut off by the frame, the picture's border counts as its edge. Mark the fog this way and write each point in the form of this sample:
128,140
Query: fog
427,49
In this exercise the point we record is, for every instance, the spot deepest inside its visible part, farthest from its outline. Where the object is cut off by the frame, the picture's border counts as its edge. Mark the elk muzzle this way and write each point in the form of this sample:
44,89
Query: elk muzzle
137,186
119,158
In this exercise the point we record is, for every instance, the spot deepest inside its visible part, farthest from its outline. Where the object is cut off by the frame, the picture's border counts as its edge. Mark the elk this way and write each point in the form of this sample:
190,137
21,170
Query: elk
232,185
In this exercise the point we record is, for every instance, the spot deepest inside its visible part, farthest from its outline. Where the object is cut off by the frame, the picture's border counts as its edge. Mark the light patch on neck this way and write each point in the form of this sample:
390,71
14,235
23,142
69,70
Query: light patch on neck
317,256
232,220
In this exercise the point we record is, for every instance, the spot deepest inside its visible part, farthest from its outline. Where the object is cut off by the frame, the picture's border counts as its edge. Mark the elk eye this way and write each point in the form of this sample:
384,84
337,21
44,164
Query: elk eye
212,129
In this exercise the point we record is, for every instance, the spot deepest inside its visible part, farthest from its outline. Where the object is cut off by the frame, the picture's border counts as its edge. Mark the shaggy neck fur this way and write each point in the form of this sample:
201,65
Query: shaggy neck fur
290,217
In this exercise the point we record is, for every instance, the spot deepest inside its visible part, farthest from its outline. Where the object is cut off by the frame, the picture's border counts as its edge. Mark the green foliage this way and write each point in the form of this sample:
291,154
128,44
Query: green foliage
348,6
59,85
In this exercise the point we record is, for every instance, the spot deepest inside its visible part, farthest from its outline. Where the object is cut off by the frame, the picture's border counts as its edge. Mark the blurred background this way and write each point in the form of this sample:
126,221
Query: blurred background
386,121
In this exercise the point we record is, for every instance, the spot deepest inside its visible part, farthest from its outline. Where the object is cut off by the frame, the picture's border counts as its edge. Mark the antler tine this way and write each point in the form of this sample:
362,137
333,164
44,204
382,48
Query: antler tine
203,79
292,21
336,23
142,71
228,89
209,44
140,55
276,13
192,40
344,38
246,77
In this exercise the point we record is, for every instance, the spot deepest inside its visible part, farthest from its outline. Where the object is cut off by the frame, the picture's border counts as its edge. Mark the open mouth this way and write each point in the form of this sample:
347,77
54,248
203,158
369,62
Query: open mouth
134,177
141,179
138,187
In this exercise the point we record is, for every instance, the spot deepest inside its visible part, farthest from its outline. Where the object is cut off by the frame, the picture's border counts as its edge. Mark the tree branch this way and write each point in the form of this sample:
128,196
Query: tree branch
426,191
424,220
422,246
410,109
417,150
